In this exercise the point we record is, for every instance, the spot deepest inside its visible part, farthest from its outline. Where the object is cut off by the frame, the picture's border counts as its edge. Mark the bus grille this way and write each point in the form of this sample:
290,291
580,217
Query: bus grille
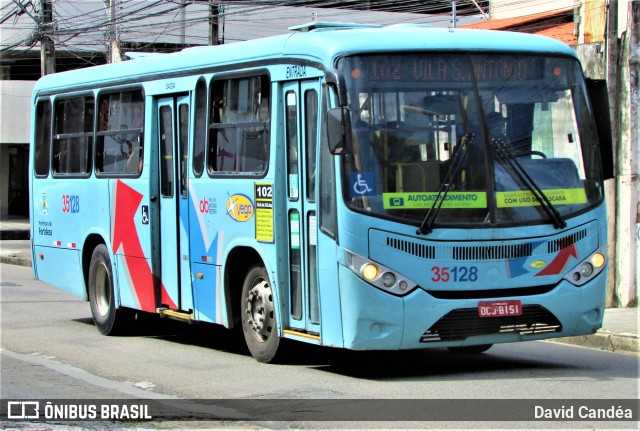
420,250
514,251
557,245
462,323
493,252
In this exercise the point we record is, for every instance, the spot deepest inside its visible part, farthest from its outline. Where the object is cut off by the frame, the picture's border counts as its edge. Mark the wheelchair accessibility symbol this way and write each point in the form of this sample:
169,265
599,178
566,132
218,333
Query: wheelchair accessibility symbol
362,184
145,214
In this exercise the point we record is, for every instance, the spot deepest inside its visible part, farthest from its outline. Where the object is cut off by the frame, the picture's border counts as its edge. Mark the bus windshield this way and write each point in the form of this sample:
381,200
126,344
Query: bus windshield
456,139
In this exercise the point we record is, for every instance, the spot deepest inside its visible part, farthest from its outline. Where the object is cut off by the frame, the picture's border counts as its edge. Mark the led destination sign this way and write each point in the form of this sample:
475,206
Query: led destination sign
448,68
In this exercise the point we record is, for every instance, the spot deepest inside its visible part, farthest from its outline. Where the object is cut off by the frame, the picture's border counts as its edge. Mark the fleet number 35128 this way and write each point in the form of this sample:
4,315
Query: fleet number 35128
444,274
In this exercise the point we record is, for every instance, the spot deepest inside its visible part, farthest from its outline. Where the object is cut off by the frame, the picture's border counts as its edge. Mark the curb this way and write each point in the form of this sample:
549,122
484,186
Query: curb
13,260
14,234
604,340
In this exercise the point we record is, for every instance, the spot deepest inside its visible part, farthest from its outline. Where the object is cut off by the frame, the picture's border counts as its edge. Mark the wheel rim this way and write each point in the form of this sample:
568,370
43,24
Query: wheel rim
259,310
103,289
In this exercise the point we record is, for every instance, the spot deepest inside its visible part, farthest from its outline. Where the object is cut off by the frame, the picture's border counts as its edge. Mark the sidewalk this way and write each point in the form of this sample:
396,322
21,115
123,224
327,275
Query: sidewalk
619,330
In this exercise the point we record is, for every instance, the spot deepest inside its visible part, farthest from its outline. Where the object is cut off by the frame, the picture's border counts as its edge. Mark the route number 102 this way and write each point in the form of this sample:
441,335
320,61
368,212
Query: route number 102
264,192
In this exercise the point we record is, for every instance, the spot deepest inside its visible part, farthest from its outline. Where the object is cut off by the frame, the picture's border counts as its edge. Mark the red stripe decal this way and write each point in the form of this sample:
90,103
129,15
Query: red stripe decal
125,235
558,264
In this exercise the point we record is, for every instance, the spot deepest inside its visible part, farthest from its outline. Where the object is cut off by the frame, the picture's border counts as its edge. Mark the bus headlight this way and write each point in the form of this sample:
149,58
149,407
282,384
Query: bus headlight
378,275
369,271
587,269
598,260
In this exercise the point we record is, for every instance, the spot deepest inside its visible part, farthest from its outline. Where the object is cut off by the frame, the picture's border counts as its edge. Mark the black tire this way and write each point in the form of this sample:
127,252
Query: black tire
108,319
480,348
258,315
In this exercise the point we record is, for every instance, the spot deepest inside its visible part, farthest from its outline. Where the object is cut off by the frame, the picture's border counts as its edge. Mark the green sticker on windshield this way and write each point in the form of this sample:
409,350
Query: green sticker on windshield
527,199
426,200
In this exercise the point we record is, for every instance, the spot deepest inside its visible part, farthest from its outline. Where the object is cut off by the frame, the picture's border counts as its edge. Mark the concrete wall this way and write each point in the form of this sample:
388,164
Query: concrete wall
614,58
628,155
15,116
15,112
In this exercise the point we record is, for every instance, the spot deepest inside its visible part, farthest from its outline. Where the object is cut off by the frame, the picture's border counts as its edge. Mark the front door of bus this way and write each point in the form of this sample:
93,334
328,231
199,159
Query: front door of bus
171,234
301,129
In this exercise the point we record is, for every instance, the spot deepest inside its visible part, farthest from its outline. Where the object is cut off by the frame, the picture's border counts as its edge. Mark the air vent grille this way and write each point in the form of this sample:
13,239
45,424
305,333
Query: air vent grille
464,322
564,242
421,250
493,252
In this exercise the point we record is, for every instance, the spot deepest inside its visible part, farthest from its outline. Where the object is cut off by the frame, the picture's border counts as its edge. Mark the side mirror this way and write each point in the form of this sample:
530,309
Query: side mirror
599,98
339,130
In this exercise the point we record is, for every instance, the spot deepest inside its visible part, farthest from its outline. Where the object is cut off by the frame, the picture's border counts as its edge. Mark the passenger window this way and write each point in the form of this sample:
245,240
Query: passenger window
200,127
73,135
311,125
239,126
119,142
42,148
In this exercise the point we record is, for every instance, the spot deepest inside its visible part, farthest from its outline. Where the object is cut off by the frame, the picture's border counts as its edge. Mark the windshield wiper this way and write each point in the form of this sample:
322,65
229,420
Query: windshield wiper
427,224
505,156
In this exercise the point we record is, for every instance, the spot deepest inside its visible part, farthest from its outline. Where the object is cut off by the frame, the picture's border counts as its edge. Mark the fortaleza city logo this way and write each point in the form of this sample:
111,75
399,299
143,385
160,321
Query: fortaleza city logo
76,411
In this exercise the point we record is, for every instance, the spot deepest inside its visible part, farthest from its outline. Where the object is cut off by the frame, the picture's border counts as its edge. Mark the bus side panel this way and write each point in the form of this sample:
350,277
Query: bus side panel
65,210
205,291
331,319
131,244
372,319
127,295
61,268
205,248
222,217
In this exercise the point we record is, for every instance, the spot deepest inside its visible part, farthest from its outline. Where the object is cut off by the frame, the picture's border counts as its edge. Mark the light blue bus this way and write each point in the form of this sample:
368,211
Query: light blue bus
352,186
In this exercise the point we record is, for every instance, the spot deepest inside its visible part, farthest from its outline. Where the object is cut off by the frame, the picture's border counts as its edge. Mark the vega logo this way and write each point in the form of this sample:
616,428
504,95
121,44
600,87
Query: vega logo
240,207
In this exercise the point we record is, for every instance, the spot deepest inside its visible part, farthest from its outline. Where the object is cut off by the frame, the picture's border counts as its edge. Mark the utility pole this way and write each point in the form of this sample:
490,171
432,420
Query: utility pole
113,50
612,68
214,14
183,26
454,19
47,49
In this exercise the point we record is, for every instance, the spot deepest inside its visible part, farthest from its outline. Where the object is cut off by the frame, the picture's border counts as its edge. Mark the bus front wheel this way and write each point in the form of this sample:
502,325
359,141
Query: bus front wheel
107,318
258,315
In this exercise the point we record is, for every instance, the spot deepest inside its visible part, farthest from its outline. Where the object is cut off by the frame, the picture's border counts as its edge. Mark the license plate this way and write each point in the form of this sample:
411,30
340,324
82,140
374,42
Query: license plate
499,308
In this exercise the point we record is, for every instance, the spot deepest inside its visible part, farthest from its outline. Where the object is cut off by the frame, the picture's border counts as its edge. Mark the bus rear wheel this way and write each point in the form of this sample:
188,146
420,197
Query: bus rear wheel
258,315
108,319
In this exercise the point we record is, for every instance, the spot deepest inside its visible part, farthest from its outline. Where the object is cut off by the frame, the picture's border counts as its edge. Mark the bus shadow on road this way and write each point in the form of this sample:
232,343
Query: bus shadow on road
200,334
371,365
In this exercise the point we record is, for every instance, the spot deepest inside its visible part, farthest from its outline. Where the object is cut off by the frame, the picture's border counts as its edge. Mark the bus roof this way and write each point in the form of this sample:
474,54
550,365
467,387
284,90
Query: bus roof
319,44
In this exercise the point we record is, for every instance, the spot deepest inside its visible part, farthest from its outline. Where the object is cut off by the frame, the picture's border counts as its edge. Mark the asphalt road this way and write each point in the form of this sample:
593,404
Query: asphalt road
44,327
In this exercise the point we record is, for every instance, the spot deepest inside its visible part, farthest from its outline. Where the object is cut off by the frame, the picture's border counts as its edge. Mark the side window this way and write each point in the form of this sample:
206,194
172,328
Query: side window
291,131
328,217
239,126
183,142
73,135
311,124
166,151
200,127
119,141
42,144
